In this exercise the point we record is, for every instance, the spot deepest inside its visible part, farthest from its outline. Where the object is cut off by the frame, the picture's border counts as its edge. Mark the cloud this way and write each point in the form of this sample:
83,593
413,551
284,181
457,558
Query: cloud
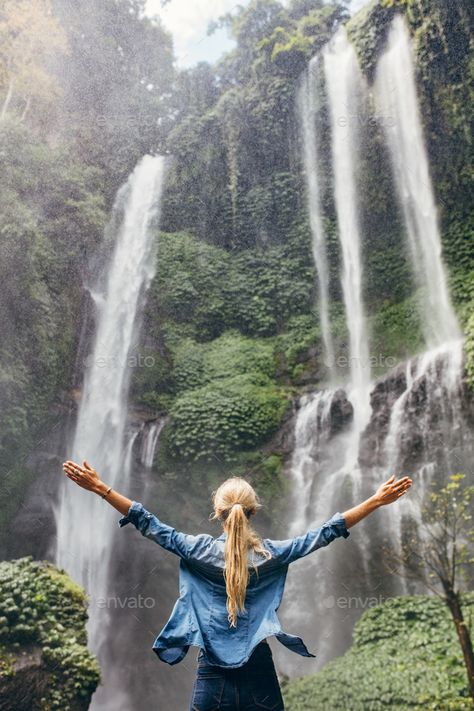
188,20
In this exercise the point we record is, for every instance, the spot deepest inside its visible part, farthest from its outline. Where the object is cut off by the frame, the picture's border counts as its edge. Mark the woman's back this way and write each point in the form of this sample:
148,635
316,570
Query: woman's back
231,588
200,615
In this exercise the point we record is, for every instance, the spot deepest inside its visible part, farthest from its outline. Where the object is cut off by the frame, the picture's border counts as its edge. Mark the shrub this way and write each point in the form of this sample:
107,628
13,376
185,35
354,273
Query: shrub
225,416
41,605
196,364
405,655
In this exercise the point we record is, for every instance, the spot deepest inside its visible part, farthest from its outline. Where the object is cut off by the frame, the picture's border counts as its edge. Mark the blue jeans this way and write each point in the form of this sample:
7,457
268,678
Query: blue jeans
250,687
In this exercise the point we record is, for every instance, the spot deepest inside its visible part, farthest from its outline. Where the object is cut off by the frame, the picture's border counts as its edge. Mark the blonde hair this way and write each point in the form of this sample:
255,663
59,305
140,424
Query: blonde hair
234,502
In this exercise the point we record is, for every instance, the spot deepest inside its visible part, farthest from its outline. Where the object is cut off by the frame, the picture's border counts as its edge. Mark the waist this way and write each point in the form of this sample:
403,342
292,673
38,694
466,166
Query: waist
262,648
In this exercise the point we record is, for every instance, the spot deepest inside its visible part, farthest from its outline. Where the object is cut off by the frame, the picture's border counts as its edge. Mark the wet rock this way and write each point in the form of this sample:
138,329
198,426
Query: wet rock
341,412
386,392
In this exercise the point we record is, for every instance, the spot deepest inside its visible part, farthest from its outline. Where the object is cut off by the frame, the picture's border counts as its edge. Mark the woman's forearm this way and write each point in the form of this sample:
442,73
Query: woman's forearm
118,501
357,513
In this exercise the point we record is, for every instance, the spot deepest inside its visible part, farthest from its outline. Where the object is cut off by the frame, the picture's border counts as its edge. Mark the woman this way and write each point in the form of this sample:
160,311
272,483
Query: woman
231,588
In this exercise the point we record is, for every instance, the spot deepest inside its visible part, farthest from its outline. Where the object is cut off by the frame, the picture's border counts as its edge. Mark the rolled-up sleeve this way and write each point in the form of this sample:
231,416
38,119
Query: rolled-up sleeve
151,527
294,548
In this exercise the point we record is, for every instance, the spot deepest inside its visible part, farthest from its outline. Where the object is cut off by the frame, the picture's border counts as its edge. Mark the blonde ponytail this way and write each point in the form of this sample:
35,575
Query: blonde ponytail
234,502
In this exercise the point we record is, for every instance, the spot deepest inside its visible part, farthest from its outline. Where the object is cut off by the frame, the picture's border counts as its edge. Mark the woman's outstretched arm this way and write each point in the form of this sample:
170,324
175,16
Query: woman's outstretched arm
387,493
87,478
182,544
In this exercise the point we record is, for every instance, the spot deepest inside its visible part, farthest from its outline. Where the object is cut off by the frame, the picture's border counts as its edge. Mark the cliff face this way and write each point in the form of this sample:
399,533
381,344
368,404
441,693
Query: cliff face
422,411
419,416
44,661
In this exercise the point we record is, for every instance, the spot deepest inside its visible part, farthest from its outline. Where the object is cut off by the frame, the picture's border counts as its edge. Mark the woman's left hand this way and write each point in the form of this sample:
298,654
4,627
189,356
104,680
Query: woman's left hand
86,477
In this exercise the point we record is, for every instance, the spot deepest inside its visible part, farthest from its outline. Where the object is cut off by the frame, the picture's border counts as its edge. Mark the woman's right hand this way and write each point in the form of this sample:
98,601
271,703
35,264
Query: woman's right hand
391,490
86,476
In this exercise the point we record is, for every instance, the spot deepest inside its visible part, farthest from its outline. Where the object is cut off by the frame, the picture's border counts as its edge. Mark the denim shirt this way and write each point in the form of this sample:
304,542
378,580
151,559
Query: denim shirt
199,617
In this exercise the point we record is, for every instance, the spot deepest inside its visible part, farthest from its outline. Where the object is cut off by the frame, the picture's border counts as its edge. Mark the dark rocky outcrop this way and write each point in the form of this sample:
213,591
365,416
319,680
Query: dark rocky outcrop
386,392
341,412
435,418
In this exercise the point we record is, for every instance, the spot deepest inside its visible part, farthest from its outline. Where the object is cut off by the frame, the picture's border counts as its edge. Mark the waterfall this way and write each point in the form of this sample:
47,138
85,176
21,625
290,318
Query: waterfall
437,373
310,432
151,434
86,525
308,106
344,88
329,424
411,421
320,483
395,91
437,369
430,413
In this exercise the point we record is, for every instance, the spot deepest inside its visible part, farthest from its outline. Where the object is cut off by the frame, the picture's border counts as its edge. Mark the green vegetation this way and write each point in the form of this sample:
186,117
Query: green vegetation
235,294
405,655
469,349
210,290
396,332
234,140
51,216
228,414
225,397
231,328
220,363
41,606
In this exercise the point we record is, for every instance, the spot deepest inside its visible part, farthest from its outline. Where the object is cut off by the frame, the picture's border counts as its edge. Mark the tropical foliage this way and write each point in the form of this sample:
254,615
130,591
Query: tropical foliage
405,655
41,608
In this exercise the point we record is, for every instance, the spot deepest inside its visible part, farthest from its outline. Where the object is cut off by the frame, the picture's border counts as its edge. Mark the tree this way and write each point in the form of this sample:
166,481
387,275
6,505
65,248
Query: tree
442,552
235,143
29,36
117,84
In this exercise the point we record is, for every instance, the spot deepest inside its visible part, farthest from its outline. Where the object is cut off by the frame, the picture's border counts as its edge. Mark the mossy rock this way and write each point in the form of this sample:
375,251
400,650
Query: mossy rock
44,660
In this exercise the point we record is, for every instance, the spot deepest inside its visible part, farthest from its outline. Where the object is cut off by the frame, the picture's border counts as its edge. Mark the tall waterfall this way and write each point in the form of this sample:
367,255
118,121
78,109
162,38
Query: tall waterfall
344,88
436,373
86,525
308,104
395,90
329,423
412,420
311,430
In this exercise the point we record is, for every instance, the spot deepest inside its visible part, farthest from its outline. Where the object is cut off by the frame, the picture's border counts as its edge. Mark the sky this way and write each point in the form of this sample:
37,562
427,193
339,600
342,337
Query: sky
187,20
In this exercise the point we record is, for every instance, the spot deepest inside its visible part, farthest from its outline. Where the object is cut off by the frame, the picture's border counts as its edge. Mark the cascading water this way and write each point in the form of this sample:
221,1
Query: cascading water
324,464
412,421
428,414
308,106
321,485
395,91
439,370
150,438
344,87
86,526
